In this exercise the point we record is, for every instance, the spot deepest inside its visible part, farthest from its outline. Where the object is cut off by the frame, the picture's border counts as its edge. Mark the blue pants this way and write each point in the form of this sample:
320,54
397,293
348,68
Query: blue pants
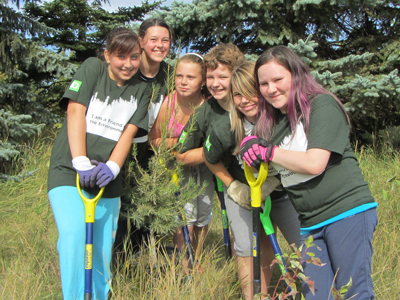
346,249
69,213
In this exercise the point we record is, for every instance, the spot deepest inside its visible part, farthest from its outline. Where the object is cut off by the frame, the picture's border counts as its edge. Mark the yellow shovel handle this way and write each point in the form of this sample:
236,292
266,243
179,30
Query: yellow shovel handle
90,204
254,184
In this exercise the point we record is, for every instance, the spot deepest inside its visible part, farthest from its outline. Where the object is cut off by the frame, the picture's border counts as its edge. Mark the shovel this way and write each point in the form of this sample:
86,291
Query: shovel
225,224
90,206
255,186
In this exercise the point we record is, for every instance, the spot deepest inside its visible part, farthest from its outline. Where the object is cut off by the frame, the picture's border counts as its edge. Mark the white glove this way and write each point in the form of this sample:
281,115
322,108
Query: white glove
84,168
268,187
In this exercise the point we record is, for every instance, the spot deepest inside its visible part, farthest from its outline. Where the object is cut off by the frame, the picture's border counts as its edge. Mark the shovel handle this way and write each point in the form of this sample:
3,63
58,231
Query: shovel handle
255,184
90,204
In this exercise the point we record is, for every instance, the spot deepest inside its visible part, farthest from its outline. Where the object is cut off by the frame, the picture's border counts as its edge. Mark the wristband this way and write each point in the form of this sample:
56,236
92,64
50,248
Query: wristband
115,169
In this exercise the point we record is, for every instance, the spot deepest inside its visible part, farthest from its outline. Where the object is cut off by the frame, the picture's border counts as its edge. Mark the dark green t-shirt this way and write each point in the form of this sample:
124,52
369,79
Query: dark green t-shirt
341,186
156,90
196,130
109,108
220,145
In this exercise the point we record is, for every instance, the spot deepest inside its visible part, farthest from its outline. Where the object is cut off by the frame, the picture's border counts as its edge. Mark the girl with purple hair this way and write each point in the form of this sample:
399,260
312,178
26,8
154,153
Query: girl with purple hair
303,132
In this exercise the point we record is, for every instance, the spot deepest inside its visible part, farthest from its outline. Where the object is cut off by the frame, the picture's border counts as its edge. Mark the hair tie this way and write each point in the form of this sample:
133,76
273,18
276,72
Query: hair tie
191,53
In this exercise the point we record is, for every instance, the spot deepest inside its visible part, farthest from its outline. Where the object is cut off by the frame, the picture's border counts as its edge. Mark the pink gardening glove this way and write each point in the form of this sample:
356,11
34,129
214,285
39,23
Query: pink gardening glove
255,150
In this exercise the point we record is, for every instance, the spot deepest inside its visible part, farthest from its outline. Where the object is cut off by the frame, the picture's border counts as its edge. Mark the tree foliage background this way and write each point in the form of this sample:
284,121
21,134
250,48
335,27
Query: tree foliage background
355,54
40,48
352,48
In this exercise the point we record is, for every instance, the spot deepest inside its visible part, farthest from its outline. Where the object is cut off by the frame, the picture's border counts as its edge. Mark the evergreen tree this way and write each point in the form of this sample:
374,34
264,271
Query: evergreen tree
156,199
82,25
25,65
40,51
356,45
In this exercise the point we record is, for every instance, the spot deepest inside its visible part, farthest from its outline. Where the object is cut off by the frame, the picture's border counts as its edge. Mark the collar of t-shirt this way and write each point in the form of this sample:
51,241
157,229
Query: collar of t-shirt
145,78
248,127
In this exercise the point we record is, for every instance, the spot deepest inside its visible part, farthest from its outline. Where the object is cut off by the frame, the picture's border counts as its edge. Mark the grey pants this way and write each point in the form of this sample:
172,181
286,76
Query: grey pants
241,221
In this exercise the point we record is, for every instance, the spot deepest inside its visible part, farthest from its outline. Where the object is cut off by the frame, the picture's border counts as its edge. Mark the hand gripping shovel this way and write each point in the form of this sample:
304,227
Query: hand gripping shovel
225,223
255,186
90,206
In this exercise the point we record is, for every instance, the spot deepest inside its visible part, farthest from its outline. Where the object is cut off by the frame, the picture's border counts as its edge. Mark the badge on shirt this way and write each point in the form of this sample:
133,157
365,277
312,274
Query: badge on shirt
208,144
75,85
182,138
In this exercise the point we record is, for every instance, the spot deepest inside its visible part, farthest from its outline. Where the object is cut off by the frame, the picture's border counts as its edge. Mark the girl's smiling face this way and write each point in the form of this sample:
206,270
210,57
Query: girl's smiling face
248,107
219,81
156,43
121,67
275,84
188,79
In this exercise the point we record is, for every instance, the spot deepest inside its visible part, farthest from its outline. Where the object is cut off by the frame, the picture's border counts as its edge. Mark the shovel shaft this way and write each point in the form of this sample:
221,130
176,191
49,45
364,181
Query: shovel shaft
278,252
188,243
88,258
256,251
225,223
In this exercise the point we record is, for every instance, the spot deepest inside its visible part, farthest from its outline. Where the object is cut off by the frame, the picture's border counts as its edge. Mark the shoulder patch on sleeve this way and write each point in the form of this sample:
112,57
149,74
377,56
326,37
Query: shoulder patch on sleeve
208,144
182,137
75,85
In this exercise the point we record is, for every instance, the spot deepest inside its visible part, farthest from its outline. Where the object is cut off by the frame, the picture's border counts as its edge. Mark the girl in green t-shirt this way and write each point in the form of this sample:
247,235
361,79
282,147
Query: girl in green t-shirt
303,132
105,109
224,145
155,37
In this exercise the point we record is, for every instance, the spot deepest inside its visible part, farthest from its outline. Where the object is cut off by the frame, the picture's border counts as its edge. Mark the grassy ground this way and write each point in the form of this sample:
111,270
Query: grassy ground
29,260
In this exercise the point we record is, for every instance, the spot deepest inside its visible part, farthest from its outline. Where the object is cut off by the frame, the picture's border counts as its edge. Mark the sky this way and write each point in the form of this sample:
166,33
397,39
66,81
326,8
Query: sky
114,4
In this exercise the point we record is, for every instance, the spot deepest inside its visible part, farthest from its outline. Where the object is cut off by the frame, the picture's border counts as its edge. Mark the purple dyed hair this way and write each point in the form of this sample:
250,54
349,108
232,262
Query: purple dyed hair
304,88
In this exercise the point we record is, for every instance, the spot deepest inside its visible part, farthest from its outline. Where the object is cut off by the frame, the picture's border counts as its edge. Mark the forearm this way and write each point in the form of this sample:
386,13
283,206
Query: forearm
123,145
221,172
192,157
312,162
76,128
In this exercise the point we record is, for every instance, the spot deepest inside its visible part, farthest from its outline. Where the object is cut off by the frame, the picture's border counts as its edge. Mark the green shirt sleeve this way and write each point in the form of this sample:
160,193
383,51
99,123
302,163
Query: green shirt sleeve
84,82
220,141
193,134
328,126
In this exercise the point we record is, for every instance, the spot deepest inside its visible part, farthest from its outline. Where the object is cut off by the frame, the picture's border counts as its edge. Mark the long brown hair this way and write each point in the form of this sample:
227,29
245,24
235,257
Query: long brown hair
244,82
121,40
304,89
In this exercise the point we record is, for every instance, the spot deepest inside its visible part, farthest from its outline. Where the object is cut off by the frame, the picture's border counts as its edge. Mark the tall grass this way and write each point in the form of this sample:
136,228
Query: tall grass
382,171
29,259
28,254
